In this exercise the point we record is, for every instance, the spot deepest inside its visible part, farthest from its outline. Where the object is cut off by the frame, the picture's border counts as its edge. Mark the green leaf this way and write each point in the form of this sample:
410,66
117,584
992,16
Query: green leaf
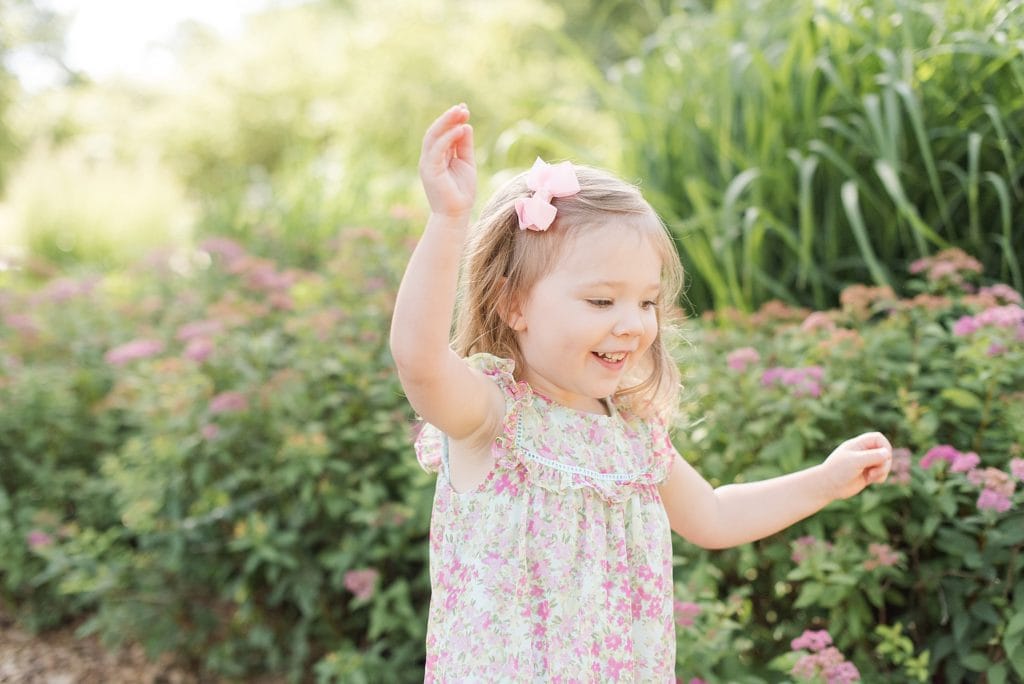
976,662
810,595
961,398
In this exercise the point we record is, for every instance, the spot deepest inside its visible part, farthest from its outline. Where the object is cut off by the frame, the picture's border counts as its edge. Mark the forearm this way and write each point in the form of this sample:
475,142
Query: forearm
422,320
750,511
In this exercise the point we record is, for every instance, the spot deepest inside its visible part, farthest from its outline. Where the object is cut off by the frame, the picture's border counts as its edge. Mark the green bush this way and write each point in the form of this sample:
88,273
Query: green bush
216,462
919,572
214,459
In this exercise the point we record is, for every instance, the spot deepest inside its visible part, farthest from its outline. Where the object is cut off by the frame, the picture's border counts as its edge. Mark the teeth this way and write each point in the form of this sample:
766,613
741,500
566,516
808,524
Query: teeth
614,358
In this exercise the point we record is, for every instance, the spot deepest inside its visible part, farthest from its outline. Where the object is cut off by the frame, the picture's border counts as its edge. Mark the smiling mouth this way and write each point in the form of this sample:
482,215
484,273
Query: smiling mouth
614,357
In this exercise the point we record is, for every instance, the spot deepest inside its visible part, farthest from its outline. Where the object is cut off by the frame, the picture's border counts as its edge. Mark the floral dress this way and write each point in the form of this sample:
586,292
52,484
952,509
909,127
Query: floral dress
558,567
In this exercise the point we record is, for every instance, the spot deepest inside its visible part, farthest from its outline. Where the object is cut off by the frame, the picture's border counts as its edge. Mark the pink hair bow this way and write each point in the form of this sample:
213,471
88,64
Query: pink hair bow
547,181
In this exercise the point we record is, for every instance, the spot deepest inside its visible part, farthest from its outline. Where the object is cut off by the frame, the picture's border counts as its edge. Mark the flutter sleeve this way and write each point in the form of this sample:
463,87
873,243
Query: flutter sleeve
663,450
430,444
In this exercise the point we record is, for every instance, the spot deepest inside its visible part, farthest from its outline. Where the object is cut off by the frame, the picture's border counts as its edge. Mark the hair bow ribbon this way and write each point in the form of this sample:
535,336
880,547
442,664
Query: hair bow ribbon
547,181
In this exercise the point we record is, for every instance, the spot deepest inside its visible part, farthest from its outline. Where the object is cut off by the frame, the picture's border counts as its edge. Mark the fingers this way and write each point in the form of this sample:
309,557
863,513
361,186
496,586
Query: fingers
444,131
464,145
870,440
876,464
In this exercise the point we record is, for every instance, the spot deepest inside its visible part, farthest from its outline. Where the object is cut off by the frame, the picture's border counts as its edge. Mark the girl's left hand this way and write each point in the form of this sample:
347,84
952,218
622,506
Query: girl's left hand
856,463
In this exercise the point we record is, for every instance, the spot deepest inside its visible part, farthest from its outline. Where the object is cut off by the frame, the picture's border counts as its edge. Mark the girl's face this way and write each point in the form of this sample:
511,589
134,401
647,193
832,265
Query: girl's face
591,320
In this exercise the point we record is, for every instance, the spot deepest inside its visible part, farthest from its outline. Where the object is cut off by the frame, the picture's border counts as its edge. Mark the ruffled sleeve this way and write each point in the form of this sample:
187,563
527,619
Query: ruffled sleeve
664,451
430,443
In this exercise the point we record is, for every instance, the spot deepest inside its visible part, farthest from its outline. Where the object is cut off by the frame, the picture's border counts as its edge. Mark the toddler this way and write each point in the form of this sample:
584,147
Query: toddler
547,421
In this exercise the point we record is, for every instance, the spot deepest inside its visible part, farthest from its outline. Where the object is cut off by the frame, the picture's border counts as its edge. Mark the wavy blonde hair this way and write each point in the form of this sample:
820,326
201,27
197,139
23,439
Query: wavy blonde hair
502,263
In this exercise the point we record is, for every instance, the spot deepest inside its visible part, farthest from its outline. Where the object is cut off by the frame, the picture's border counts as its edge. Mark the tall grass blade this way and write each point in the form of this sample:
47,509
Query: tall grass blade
851,204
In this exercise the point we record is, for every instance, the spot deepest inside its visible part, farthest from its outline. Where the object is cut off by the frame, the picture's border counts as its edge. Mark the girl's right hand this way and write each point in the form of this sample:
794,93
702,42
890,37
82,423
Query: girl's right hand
447,169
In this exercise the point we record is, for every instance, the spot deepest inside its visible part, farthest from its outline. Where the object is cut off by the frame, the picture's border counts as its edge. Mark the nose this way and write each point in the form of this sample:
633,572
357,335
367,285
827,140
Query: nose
630,323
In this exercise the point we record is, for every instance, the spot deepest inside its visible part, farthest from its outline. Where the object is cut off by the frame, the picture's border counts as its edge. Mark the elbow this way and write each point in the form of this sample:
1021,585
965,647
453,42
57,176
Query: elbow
704,540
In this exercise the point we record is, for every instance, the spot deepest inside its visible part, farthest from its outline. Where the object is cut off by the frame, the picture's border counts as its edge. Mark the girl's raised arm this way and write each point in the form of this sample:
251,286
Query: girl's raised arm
458,400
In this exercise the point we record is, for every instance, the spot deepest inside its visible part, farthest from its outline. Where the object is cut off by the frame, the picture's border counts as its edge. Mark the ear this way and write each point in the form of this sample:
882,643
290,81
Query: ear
510,310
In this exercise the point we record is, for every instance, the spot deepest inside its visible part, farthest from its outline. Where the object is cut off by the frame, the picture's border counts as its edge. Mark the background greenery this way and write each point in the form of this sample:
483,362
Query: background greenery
203,444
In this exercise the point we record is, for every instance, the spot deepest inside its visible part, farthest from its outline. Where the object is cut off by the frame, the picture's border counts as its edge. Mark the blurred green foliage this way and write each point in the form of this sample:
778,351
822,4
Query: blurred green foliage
799,148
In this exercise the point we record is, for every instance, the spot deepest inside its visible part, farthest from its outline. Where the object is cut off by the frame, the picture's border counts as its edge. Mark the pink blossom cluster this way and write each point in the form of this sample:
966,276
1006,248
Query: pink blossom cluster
1006,316
859,300
38,539
997,486
1000,292
824,660
949,265
198,337
362,582
60,290
806,546
739,359
818,320
882,556
133,351
228,402
686,612
804,381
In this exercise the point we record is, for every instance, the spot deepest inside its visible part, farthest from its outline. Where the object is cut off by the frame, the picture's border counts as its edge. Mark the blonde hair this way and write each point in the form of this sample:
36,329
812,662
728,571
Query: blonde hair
502,262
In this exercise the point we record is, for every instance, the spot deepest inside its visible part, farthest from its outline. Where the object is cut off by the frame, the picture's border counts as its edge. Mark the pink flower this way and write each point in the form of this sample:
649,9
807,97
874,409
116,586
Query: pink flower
228,402
965,325
62,289
964,463
995,349
994,479
685,612
1006,316
739,359
843,673
828,663
37,539
22,323
806,546
210,432
1017,468
818,320
199,349
199,329
992,500
224,247
882,556
812,640
362,582
1003,292
941,452
132,351
804,381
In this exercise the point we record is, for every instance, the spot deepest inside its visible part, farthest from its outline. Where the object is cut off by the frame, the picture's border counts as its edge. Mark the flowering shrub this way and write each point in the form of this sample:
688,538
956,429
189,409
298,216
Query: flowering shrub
215,461
913,579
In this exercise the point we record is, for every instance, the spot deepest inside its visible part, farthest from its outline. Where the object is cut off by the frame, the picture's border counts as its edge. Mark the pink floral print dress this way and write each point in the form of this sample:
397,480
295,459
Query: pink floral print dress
558,567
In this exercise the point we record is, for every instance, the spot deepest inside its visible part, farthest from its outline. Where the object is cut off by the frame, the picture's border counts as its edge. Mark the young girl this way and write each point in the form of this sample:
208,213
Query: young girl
550,551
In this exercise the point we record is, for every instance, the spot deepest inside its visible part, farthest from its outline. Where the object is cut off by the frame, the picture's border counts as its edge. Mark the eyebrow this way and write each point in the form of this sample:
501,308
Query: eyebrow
616,284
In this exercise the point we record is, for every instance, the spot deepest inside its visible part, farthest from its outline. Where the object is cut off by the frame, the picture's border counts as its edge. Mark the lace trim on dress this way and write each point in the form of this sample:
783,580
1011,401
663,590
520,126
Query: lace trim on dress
511,448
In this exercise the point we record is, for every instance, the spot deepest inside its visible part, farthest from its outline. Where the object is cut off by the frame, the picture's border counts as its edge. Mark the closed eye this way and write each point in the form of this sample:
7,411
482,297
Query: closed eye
649,304
600,303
